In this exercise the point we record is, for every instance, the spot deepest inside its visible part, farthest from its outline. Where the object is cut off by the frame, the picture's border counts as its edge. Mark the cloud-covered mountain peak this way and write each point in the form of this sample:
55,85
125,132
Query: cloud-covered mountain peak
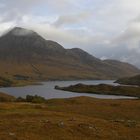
18,31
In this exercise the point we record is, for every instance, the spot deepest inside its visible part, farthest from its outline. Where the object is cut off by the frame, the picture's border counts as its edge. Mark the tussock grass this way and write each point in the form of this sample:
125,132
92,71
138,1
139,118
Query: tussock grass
80,118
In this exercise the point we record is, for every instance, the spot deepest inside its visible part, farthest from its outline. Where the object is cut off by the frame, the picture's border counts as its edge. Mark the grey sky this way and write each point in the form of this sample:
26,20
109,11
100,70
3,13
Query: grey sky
104,28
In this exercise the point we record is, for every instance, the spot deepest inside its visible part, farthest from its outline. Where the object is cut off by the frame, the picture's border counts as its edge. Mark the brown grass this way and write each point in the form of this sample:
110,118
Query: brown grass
80,118
5,97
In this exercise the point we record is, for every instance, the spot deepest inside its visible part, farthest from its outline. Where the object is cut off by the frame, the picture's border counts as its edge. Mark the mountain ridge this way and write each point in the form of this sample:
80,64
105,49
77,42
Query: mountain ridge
25,52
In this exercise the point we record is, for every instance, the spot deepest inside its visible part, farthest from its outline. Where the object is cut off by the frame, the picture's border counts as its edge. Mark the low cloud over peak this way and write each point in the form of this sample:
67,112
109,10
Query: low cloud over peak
107,29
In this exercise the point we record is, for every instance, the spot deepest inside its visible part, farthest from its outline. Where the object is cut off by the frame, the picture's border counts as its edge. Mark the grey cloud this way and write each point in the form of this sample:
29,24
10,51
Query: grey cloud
126,46
130,37
61,6
72,19
119,52
15,9
98,34
22,32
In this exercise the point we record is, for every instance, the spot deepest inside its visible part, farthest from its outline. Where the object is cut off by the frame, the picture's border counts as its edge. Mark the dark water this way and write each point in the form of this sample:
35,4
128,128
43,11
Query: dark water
47,90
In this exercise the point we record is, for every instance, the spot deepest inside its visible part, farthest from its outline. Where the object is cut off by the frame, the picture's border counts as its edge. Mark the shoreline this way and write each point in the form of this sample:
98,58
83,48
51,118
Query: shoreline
103,89
97,94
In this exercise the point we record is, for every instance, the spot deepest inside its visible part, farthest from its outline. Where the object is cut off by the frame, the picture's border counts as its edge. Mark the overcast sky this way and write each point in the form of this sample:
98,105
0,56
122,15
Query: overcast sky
108,29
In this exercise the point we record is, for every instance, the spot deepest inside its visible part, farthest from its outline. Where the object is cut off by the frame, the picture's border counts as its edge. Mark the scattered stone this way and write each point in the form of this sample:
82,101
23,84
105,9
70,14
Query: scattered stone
118,121
43,106
11,134
72,119
131,123
89,126
61,124
45,121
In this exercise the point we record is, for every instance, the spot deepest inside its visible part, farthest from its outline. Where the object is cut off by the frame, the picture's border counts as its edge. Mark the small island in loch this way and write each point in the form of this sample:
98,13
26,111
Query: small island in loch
103,89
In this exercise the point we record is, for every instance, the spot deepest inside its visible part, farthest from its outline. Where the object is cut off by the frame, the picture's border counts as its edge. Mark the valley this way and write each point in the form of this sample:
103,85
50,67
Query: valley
36,59
26,58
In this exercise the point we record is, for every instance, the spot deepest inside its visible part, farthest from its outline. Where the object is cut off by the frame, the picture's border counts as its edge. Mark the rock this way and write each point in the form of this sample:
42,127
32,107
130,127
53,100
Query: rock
90,127
61,124
72,119
118,121
11,134
45,121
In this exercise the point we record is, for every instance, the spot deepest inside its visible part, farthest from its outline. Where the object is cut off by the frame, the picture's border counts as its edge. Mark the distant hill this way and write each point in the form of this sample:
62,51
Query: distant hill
135,80
24,54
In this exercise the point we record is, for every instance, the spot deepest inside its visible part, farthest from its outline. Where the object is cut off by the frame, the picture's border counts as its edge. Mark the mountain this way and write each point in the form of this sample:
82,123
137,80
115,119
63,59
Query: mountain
123,67
135,80
25,55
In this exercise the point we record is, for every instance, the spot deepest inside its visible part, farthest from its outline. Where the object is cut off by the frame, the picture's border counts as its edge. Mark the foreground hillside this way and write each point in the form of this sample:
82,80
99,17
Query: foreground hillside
135,80
80,118
26,56
6,98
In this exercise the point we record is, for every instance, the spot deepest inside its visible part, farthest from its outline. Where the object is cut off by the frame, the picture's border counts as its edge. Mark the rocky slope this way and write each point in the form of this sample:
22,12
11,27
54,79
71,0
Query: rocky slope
26,54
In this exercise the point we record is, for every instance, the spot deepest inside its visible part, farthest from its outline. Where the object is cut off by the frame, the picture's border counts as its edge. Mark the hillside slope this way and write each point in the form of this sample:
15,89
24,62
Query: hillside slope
135,80
24,54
